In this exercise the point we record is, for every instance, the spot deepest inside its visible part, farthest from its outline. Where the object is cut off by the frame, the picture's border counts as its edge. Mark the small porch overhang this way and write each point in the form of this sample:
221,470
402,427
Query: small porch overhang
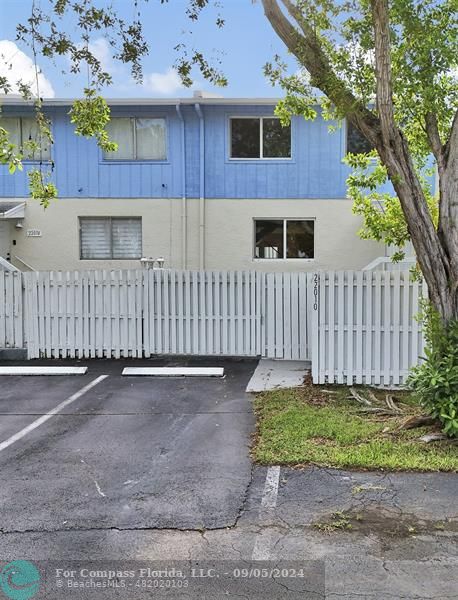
12,209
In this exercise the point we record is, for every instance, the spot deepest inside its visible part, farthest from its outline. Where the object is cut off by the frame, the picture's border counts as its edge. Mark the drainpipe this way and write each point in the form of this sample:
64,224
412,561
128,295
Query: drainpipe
184,208
202,188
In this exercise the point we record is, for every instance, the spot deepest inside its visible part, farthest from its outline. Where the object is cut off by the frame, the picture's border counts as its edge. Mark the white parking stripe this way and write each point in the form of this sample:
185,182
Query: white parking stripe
175,371
43,370
18,436
263,542
269,498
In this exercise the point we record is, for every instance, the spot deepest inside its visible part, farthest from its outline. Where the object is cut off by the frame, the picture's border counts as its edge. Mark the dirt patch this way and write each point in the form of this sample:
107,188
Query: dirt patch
382,523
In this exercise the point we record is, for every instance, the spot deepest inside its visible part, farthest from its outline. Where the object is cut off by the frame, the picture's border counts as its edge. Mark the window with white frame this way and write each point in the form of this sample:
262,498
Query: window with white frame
259,137
356,142
25,134
137,138
284,238
110,238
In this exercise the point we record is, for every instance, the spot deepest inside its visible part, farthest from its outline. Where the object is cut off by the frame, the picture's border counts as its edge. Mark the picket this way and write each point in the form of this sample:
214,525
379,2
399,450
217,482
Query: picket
368,319
11,309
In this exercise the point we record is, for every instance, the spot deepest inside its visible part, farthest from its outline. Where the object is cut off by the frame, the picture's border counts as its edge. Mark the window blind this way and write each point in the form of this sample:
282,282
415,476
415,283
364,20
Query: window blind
126,238
95,238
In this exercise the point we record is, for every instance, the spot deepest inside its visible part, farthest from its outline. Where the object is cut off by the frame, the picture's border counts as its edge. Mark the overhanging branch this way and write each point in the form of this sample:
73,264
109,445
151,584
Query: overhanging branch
307,48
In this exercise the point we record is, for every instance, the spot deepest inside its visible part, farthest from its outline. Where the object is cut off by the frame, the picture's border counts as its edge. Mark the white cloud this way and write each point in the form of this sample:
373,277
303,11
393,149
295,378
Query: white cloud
16,66
103,52
163,83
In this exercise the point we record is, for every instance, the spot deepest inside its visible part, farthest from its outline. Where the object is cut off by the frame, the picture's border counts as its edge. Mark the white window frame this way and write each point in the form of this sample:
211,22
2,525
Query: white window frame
285,241
261,141
135,159
111,219
21,134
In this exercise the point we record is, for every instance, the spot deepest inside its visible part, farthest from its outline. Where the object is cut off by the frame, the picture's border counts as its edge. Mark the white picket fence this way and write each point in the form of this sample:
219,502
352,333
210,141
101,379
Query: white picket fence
135,313
366,327
355,327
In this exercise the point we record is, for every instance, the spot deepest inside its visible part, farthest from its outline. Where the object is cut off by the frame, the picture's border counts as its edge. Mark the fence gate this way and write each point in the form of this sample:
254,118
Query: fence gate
202,312
365,328
287,311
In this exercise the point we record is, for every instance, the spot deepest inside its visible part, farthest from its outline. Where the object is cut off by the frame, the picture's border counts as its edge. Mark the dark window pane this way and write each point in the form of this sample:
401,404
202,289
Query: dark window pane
356,142
245,138
299,239
276,139
269,239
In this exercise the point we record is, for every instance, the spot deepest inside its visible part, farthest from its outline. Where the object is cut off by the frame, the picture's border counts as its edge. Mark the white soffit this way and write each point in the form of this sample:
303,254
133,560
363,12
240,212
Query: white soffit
12,209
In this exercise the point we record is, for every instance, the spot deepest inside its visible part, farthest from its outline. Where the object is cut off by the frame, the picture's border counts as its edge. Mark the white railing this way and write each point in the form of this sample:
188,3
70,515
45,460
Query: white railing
5,265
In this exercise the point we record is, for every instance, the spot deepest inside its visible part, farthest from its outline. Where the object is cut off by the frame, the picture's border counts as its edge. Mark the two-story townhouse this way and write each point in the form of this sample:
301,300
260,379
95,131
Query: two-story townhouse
206,183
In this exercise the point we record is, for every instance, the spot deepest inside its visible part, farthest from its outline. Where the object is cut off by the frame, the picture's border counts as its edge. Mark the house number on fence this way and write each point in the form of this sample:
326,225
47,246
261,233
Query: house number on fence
315,291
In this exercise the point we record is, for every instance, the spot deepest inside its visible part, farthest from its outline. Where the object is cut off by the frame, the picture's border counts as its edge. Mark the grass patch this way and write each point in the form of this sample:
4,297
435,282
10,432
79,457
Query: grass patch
310,425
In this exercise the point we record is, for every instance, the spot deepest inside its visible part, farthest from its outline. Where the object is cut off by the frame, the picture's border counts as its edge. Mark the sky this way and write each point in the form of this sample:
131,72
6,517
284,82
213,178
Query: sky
244,45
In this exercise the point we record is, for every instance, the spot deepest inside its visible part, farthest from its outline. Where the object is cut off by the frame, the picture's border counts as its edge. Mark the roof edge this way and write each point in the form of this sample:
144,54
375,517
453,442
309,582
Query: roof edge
14,101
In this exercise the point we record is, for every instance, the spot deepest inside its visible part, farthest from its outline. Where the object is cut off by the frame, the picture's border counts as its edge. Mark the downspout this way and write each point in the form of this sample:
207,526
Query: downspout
184,208
201,188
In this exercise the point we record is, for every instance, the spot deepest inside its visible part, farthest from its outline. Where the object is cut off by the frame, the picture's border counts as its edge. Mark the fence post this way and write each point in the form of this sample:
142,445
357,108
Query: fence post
315,328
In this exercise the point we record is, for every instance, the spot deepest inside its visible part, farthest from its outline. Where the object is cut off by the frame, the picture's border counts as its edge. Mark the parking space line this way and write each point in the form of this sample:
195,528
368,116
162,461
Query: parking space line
174,371
51,370
261,550
269,498
18,436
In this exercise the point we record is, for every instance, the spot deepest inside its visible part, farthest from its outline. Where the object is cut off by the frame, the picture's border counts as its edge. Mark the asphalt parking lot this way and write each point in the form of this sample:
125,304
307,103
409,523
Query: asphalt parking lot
139,472
131,452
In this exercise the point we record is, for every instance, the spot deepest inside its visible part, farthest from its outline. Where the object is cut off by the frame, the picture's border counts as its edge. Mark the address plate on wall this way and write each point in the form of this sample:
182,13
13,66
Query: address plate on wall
33,232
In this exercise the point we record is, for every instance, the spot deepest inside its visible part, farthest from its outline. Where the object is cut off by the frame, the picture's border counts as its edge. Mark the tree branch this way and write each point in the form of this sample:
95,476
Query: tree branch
453,139
432,131
384,92
306,47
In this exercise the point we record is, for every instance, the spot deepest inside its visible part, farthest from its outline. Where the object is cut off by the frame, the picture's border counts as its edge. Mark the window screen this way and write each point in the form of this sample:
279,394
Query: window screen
284,238
137,139
300,239
110,238
245,138
25,129
356,142
269,239
259,137
276,139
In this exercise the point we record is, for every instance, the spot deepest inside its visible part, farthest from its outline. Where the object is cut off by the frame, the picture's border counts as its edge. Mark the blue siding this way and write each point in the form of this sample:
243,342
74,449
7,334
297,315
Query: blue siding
315,169
81,172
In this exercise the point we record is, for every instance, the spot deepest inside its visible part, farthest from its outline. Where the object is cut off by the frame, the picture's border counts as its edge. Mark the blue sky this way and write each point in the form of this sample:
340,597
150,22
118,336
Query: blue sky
244,44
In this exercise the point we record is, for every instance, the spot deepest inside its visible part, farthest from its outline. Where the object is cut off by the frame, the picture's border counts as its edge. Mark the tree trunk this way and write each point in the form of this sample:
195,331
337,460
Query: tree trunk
436,250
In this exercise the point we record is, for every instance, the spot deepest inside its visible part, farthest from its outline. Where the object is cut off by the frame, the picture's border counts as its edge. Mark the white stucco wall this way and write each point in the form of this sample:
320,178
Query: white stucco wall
229,233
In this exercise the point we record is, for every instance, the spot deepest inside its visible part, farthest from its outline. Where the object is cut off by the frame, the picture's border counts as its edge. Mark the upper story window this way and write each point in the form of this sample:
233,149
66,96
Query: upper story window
284,238
356,142
25,129
137,139
259,137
